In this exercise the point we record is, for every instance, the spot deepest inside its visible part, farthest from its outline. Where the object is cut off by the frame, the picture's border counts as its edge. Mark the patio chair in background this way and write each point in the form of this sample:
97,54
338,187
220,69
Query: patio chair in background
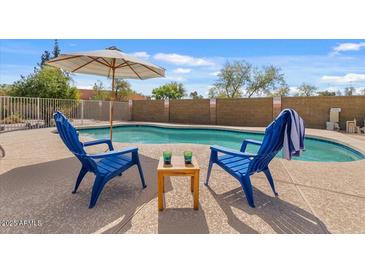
363,128
105,166
241,165
2,152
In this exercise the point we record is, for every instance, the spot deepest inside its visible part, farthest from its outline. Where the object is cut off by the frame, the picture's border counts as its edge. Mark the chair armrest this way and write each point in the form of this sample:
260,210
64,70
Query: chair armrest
231,152
98,142
113,153
249,141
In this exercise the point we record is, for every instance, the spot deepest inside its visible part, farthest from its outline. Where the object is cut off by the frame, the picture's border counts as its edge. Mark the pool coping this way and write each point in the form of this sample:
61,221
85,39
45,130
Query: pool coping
320,134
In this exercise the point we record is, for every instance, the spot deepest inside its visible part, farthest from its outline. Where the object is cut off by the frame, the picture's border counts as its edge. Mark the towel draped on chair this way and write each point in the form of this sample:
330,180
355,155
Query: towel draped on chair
285,133
294,134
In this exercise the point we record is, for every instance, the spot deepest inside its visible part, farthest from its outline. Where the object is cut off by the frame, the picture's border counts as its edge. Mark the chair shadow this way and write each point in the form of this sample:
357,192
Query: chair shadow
283,217
43,192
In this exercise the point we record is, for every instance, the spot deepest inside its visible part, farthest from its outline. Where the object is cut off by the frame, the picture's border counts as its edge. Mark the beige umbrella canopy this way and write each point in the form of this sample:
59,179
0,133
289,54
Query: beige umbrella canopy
110,62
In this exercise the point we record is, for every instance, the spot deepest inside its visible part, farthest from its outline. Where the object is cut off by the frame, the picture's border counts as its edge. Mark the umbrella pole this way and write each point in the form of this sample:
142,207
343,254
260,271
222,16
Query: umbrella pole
112,107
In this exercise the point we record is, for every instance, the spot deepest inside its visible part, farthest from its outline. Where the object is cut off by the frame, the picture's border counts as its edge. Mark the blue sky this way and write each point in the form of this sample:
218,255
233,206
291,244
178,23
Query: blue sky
327,64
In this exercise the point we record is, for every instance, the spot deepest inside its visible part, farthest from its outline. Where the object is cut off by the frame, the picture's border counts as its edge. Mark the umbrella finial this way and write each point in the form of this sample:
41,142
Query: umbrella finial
113,48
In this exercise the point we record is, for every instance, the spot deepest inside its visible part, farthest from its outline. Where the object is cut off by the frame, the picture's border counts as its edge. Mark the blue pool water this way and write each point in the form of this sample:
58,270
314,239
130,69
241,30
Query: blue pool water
316,150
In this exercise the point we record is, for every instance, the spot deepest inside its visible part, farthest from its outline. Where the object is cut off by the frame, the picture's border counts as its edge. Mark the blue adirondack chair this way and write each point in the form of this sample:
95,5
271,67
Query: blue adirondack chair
105,166
242,165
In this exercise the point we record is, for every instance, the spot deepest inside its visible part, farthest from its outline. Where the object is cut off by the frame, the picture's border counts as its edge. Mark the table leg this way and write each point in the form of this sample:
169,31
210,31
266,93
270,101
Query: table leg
196,190
192,183
163,184
160,182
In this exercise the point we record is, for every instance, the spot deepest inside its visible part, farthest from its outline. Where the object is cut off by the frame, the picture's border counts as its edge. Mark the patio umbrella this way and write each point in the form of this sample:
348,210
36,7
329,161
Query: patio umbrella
110,62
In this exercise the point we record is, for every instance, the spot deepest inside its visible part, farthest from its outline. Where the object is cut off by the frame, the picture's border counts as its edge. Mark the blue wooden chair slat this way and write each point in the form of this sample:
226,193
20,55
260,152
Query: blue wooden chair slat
105,166
242,165
231,160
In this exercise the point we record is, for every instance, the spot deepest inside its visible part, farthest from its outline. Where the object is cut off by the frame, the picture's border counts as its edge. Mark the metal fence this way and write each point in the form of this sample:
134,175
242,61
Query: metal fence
18,113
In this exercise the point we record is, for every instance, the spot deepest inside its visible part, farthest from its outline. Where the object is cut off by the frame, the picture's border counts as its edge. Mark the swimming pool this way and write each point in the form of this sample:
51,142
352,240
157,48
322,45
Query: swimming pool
316,150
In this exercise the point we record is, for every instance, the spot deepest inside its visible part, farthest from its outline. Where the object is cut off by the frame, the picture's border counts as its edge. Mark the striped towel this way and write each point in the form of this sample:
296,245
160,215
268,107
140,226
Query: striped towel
293,142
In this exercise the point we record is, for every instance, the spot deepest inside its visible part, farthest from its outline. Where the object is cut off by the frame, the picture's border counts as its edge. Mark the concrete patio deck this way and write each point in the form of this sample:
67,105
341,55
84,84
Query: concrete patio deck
38,174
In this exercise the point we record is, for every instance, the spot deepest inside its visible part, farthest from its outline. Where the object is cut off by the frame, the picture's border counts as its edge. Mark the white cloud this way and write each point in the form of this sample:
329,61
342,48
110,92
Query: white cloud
347,47
182,59
140,54
182,70
293,90
348,78
360,91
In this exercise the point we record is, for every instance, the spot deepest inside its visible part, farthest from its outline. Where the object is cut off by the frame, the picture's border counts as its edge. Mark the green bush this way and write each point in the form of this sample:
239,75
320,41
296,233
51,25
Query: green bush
46,82
172,90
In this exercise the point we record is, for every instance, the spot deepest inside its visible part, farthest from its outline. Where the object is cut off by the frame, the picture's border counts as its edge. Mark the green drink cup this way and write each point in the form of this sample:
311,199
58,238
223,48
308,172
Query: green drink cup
167,157
188,155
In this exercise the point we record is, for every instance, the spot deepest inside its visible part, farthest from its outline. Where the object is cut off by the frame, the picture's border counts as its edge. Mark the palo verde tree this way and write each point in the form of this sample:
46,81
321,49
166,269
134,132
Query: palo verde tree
232,78
349,91
306,90
281,91
239,78
263,82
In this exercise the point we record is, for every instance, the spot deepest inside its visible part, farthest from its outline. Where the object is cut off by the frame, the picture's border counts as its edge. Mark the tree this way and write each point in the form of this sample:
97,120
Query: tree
241,78
5,89
47,82
362,91
282,91
232,79
349,91
99,90
122,89
56,49
172,90
306,90
195,95
98,86
213,93
326,93
263,82
46,56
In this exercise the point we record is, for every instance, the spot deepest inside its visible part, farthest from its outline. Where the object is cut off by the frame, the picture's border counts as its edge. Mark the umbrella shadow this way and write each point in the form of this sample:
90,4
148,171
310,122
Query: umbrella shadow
281,216
42,192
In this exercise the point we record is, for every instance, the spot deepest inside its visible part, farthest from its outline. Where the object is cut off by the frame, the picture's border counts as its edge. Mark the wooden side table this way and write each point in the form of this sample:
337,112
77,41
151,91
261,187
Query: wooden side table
178,168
